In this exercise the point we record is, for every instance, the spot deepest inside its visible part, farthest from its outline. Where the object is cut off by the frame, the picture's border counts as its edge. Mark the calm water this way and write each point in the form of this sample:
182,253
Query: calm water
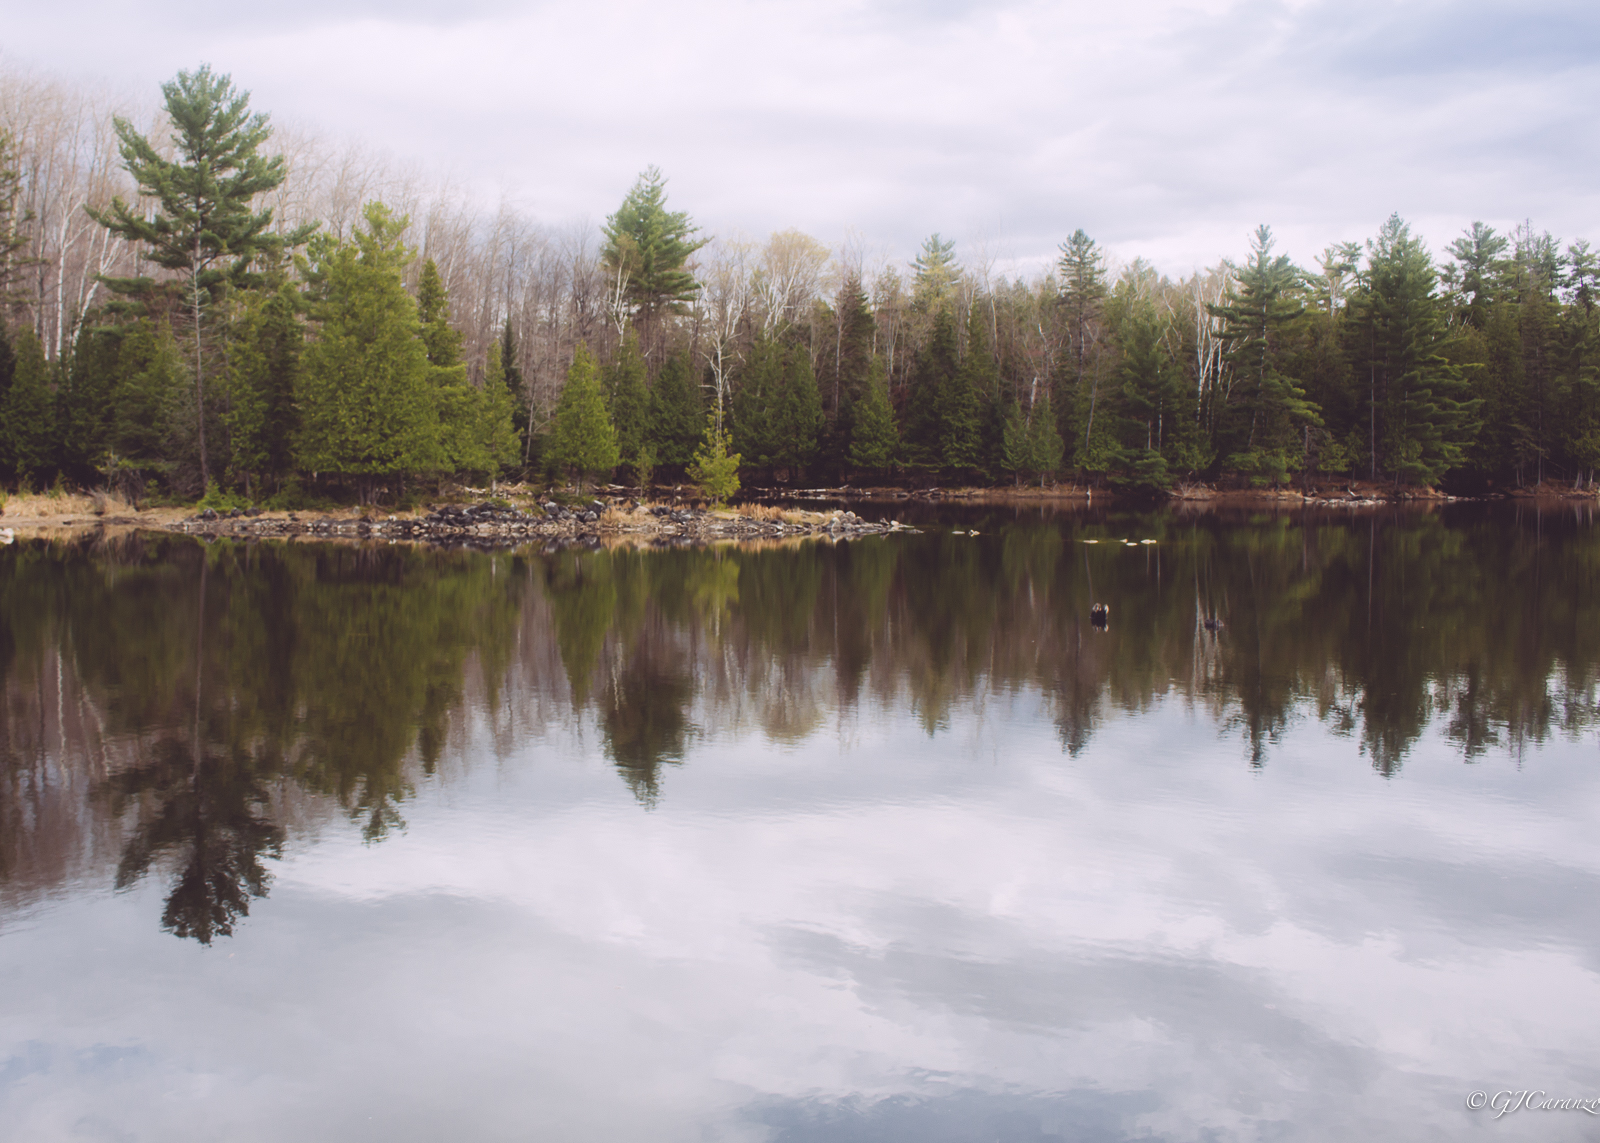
883,841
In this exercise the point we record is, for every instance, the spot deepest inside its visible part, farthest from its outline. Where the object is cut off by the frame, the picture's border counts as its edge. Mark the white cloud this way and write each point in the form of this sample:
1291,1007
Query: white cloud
1166,130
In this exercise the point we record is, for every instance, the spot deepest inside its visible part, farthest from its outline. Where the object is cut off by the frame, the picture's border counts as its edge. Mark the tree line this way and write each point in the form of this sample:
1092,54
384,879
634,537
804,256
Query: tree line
184,310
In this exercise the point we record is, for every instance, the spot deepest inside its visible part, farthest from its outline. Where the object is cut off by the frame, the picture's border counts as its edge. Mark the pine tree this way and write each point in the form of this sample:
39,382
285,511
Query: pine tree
874,442
646,247
205,230
1268,411
584,440
368,409
1422,414
1083,290
675,413
937,273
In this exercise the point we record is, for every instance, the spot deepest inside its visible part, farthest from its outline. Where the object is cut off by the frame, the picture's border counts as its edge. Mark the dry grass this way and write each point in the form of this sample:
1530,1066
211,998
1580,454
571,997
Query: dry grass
768,513
46,505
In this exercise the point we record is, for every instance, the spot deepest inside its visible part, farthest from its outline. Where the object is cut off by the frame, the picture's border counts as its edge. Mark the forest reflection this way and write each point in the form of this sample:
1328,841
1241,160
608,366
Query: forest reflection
179,706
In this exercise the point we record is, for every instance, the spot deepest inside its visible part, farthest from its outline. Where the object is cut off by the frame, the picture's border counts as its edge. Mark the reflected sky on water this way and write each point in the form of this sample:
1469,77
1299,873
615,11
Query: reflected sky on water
873,842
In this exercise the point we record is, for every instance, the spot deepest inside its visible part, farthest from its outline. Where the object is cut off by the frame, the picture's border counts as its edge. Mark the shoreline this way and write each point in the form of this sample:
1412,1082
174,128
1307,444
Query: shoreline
759,518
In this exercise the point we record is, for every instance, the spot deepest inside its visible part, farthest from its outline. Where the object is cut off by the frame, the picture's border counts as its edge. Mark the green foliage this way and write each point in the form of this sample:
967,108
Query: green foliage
205,228
627,397
27,412
937,273
263,418
367,406
644,467
1420,401
584,440
221,500
874,442
715,467
646,246
675,414
433,311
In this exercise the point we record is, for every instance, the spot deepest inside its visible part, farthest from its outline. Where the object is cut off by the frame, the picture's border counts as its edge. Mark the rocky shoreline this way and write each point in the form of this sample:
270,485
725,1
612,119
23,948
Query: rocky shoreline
497,525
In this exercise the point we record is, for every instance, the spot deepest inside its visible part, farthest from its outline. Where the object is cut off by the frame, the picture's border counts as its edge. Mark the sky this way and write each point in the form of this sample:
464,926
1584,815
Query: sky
1167,131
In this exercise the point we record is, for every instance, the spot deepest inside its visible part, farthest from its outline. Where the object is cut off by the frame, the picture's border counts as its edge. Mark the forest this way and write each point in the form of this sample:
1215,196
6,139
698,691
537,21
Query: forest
196,304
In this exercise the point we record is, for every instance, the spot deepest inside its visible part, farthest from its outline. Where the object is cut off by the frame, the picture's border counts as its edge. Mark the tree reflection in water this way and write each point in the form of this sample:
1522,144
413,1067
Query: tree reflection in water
200,688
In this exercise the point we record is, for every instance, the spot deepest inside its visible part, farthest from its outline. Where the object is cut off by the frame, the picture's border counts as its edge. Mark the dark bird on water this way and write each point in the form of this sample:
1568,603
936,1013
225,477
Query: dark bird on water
1100,614
1212,624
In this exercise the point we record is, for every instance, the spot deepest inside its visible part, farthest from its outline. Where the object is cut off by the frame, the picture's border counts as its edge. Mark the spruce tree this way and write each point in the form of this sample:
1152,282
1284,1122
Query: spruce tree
27,436
583,440
368,409
628,398
874,442
974,386
205,229
1045,447
263,418
797,423
933,384
676,419
433,312
759,388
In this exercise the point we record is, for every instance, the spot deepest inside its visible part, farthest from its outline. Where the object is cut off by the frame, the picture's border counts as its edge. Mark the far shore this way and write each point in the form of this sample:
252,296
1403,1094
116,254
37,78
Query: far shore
510,513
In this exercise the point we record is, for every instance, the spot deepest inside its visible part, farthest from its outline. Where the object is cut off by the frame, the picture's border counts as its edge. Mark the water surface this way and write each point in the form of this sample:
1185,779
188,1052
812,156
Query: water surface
876,841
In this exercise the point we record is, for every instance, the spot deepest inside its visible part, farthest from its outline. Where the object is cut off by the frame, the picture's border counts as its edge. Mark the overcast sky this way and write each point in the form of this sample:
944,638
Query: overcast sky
1167,130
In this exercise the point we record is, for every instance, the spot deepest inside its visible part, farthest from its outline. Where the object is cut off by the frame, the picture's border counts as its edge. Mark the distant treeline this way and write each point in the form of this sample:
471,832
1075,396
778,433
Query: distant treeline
182,310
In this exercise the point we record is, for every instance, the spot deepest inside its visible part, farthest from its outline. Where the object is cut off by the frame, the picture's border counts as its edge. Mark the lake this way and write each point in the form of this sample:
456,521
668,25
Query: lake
869,842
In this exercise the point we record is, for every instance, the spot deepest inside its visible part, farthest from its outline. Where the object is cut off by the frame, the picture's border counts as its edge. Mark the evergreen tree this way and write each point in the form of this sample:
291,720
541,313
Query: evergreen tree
497,433
797,423
205,229
147,395
974,388
83,403
1267,411
1478,271
1083,290
646,247
263,418
715,467
1045,447
368,409
1422,415
27,436
934,384
874,442
759,389
937,273
433,312
675,413
584,440
628,398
